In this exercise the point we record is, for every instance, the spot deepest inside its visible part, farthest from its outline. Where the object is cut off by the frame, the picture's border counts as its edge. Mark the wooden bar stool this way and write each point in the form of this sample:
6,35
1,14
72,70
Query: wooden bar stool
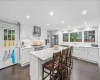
65,64
52,65
70,57
69,61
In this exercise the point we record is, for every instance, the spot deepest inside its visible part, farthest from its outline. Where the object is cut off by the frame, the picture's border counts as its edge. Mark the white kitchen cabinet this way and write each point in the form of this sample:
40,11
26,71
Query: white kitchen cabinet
25,57
80,52
90,54
83,52
93,54
76,52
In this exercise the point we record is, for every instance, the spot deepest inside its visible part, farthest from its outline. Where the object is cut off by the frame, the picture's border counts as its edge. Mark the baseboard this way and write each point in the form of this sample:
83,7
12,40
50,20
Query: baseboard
86,60
9,66
23,65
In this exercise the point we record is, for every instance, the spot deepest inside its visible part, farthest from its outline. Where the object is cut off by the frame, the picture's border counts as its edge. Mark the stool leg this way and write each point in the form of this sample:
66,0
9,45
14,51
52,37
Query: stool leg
53,75
50,75
42,73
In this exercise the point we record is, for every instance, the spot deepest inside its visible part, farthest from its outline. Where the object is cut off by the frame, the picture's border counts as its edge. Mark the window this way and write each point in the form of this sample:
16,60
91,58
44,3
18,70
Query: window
76,37
9,37
89,36
65,37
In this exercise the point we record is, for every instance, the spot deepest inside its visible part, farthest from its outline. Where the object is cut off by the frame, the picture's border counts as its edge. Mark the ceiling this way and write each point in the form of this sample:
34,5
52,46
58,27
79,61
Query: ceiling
70,11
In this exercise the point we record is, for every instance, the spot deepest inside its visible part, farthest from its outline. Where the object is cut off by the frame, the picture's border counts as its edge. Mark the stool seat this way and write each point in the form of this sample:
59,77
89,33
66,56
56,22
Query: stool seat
48,65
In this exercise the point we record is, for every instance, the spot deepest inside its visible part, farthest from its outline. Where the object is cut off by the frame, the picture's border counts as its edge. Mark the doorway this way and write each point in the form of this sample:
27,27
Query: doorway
54,40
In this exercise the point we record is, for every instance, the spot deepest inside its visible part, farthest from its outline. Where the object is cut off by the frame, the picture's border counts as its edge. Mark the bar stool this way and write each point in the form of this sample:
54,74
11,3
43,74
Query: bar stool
65,66
52,65
70,57
69,61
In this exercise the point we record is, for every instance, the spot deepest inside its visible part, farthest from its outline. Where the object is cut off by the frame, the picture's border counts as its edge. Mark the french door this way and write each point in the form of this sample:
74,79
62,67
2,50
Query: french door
9,45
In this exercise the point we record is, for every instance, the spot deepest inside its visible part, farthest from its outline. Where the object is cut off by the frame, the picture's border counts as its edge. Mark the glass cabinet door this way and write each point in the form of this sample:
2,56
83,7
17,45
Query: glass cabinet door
65,37
89,36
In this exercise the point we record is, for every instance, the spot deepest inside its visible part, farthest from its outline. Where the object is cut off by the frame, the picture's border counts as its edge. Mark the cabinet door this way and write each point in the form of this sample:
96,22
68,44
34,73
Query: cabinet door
26,57
76,52
83,52
93,54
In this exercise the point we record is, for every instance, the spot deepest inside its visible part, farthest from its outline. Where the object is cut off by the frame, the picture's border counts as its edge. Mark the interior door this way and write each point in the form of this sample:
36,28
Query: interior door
10,45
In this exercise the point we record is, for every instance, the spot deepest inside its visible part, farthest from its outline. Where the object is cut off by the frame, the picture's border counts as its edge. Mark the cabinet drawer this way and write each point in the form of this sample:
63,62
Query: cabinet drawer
76,48
82,48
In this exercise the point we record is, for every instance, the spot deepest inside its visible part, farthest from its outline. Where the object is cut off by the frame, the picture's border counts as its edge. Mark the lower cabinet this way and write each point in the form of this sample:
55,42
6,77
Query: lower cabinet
76,52
83,52
25,57
80,52
93,54
87,53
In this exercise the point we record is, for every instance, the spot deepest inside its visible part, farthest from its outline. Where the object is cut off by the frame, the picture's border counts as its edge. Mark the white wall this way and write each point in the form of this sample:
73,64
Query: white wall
26,32
43,34
99,35
1,46
99,42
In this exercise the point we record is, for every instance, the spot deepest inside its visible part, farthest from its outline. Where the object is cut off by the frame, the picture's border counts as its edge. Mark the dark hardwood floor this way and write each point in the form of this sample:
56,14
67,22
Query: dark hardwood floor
15,72
85,71
81,71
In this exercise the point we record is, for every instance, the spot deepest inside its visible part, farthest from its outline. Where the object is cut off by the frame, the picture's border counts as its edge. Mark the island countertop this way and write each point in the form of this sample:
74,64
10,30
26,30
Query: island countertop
37,58
46,53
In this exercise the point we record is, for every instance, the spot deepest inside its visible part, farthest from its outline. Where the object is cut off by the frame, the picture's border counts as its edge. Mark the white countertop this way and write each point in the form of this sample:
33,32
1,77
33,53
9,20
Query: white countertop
46,53
27,47
81,45
86,46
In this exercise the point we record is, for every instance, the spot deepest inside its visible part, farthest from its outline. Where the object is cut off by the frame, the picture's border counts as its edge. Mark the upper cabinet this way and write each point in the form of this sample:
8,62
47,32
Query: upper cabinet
36,30
65,37
89,36
76,37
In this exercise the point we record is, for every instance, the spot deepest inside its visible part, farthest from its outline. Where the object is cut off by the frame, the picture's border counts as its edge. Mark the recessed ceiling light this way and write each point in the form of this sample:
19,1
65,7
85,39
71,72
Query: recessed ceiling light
85,23
62,22
48,24
51,13
84,12
68,26
27,16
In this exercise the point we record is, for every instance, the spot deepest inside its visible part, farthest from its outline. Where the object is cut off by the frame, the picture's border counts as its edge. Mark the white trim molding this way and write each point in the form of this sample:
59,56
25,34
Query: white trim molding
99,63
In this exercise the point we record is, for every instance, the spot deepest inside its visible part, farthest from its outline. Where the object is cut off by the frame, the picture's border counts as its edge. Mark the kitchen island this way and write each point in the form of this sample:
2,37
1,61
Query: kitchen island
37,58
